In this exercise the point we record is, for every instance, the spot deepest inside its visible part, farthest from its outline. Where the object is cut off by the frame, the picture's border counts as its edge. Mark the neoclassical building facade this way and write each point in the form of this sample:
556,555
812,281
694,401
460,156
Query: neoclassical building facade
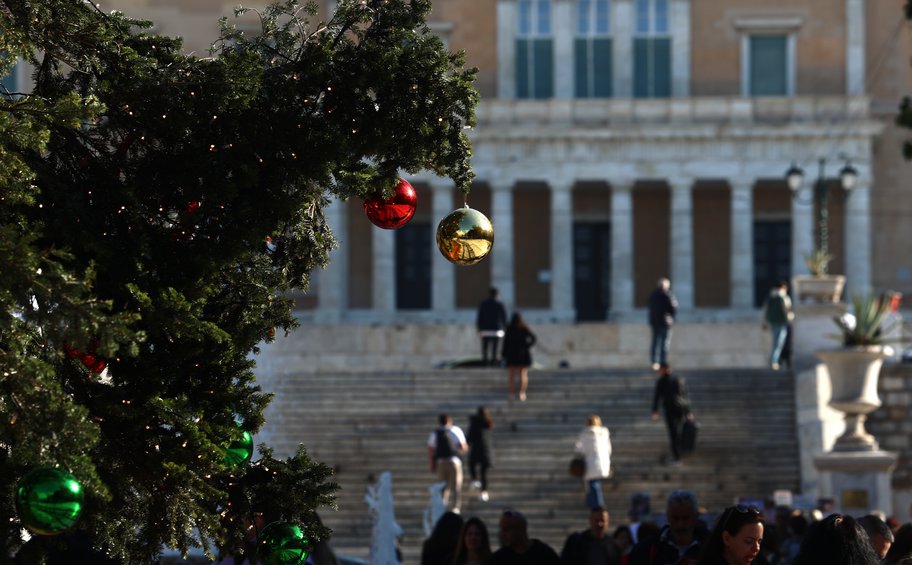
619,141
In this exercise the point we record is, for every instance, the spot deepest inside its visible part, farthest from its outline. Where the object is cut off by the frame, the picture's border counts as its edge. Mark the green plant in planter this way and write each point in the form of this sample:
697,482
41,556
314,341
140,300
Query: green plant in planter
818,262
865,327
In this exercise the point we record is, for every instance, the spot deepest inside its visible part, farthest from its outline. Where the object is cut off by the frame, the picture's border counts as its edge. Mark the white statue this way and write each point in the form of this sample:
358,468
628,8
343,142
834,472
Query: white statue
436,507
386,532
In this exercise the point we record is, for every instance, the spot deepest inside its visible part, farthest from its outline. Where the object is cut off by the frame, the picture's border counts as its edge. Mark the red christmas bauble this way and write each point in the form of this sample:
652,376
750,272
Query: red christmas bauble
395,211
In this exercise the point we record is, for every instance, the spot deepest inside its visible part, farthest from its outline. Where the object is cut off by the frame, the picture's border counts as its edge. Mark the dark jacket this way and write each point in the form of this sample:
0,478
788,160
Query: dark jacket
478,438
662,309
671,392
539,553
661,551
576,549
491,315
517,347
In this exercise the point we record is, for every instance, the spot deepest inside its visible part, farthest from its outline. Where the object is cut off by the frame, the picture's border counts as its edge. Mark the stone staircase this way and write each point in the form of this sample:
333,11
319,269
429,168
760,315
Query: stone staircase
365,423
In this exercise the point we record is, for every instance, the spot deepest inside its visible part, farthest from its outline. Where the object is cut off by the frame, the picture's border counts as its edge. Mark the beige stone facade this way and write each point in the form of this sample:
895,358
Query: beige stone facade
684,185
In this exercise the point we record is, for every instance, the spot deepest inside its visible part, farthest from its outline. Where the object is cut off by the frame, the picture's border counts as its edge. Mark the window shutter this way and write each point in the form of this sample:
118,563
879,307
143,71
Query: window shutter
581,67
602,67
522,69
661,67
768,65
641,67
543,59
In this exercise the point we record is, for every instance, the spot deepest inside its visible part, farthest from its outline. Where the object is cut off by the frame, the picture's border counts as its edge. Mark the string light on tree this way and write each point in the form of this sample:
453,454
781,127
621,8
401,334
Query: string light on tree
465,236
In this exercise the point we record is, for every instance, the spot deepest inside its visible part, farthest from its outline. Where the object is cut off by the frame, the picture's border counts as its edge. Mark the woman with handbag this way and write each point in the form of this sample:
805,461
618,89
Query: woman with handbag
594,443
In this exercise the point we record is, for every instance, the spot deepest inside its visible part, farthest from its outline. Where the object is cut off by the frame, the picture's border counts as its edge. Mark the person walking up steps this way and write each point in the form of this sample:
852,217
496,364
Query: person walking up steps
480,426
445,446
490,323
777,314
517,353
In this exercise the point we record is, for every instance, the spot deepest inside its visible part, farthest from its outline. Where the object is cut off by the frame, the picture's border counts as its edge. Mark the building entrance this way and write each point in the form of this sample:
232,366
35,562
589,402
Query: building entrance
772,256
591,270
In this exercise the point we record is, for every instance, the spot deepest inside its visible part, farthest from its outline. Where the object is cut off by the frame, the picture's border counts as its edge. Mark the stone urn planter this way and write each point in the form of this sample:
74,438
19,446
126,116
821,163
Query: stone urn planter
854,373
818,288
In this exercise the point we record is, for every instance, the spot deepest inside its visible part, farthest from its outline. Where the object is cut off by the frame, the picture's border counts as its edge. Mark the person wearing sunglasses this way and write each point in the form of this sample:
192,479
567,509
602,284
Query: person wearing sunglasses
736,538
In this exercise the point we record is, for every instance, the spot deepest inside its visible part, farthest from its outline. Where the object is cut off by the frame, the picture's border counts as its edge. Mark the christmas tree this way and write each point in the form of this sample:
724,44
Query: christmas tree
156,208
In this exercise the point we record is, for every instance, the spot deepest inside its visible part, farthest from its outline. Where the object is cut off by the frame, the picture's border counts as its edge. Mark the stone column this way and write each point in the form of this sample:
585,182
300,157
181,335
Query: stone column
742,245
855,47
443,284
563,28
621,248
502,271
680,48
562,252
802,229
622,22
858,237
507,15
383,252
332,294
682,247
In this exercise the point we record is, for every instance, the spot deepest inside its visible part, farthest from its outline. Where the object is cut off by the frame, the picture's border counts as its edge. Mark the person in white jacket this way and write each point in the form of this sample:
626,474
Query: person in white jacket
594,444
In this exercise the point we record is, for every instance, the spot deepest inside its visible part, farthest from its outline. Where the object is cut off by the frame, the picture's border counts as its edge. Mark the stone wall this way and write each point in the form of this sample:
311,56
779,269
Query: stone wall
891,424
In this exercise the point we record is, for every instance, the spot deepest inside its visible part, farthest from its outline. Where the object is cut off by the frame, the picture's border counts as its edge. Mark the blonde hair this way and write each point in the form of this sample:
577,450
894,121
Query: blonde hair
593,420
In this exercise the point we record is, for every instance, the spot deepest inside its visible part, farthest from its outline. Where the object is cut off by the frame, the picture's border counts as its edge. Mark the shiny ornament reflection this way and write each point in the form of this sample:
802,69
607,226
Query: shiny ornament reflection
239,451
49,501
393,212
465,236
281,543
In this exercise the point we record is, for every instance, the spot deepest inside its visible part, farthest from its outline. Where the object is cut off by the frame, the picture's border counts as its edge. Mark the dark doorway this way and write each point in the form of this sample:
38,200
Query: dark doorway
772,256
413,266
591,270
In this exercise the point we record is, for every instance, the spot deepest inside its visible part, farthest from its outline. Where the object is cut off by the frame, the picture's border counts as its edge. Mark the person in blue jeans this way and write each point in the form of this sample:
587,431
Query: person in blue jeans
662,310
594,443
777,314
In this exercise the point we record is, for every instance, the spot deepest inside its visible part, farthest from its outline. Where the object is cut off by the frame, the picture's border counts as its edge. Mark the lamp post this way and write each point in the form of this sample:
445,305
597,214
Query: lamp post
848,177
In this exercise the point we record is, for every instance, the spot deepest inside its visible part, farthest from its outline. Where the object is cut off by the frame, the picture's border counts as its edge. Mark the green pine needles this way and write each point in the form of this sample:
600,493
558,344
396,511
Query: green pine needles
137,186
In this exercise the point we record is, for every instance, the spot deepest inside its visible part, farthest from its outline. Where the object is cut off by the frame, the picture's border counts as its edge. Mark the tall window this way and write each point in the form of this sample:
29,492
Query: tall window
651,50
768,65
592,49
534,50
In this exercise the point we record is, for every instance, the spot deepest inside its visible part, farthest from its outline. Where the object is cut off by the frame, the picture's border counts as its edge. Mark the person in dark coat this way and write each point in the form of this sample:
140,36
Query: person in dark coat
517,354
680,542
662,310
480,426
594,546
517,548
490,323
671,393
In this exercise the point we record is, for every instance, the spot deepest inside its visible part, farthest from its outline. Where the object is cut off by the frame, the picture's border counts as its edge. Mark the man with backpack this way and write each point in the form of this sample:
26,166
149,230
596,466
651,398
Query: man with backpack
446,445
671,393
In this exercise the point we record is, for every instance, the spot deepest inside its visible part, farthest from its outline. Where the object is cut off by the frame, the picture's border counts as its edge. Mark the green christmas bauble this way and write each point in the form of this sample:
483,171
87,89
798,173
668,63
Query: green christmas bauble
49,501
282,543
239,451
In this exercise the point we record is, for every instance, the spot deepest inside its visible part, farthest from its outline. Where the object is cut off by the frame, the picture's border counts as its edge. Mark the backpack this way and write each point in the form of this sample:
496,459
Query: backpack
443,450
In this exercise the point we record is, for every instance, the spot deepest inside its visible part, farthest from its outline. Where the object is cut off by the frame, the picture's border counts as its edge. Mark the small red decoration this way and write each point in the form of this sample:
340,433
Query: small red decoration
393,212
93,362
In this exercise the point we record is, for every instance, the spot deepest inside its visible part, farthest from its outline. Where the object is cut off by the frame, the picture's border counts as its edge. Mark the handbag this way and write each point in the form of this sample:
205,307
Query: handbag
689,436
577,466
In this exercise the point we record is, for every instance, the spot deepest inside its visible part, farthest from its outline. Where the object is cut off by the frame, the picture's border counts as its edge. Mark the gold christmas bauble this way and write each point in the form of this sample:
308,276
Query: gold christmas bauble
465,236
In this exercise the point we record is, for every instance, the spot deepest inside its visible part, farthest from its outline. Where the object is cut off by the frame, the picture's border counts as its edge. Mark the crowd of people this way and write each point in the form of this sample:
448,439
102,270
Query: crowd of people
738,535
